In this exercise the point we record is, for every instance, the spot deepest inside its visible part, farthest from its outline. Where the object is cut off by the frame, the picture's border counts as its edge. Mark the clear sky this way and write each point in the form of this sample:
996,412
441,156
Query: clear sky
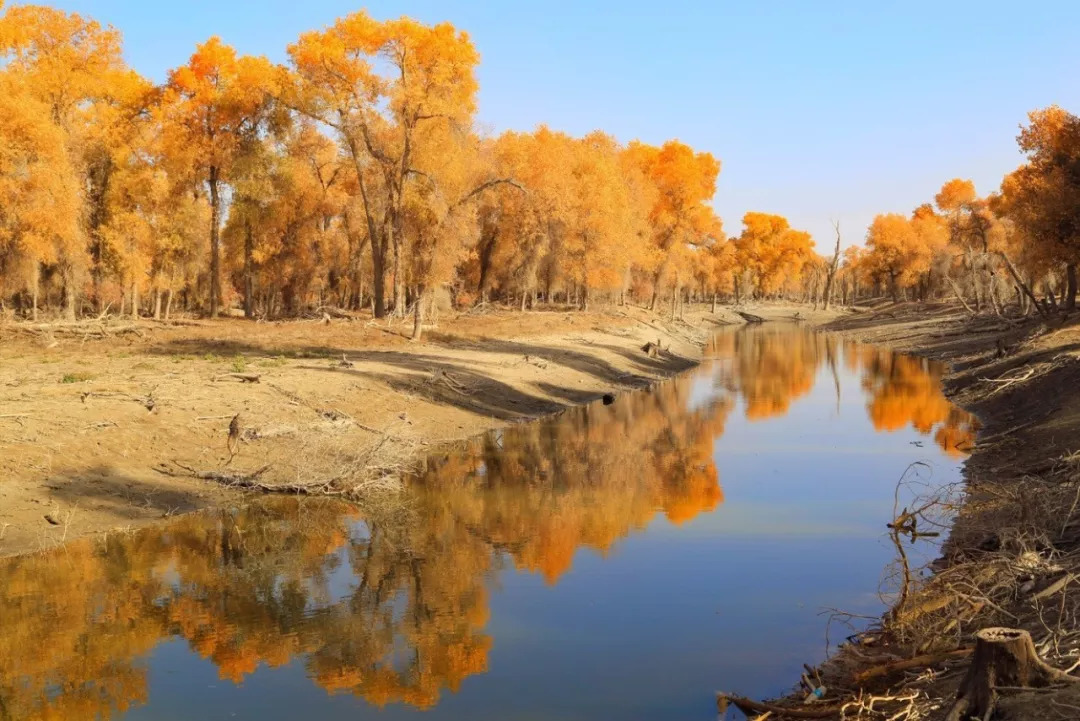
817,110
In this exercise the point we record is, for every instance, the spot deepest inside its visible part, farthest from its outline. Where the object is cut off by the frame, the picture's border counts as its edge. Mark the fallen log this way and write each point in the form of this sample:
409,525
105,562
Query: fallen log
750,317
329,310
242,377
749,706
925,660
249,480
1002,657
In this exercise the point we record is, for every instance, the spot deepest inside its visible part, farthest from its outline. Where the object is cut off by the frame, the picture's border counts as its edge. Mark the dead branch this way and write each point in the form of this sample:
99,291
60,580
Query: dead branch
1054,587
146,401
441,377
749,706
247,480
242,377
927,659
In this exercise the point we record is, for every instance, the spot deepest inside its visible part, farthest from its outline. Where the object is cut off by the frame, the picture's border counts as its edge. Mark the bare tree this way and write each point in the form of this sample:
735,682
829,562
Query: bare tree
833,266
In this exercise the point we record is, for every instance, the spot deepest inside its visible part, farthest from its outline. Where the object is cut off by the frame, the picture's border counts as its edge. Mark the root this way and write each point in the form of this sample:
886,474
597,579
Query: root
441,377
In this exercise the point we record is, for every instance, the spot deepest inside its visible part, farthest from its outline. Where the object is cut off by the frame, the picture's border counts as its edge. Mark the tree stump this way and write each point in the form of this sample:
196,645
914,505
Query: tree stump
1003,657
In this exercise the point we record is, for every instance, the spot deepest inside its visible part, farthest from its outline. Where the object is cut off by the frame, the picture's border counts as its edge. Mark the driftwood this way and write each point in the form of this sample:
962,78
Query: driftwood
1003,657
332,312
750,706
749,317
242,377
76,328
929,659
248,480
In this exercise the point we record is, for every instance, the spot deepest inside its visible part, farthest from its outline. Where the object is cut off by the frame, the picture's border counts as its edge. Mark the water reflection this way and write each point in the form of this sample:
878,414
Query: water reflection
391,604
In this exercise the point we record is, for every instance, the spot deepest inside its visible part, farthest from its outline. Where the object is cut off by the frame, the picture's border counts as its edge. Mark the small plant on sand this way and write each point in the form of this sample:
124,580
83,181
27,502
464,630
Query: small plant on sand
239,364
76,378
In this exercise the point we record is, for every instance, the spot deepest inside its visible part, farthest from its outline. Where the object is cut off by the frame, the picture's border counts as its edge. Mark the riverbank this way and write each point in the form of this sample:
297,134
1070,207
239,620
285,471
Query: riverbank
112,425
1012,558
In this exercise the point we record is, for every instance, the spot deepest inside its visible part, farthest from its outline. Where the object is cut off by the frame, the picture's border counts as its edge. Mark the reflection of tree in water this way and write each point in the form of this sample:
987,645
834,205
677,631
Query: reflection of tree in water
541,491
771,367
906,391
253,587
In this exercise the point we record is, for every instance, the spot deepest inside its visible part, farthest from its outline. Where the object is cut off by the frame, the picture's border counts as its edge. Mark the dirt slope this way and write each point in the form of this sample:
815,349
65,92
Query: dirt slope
88,415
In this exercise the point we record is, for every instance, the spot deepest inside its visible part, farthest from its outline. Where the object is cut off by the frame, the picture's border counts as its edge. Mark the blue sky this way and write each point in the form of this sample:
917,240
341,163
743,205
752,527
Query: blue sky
817,110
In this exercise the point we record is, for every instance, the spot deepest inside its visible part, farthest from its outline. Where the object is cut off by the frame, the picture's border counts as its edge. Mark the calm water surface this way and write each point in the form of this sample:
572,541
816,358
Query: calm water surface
619,561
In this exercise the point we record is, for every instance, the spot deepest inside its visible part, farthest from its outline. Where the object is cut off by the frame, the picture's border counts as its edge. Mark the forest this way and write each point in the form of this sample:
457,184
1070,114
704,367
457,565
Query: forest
355,177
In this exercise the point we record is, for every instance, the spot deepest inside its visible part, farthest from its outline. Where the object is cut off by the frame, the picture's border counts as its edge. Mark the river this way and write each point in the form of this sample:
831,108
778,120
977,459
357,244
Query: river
616,561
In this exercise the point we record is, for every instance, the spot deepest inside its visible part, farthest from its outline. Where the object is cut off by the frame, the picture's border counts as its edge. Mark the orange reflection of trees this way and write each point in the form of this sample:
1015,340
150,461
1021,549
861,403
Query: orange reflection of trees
244,589
906,391
540,492
771,366
252,587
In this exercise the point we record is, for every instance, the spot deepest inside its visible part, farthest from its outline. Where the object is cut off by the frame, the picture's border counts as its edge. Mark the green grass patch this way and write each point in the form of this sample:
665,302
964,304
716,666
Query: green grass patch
77,377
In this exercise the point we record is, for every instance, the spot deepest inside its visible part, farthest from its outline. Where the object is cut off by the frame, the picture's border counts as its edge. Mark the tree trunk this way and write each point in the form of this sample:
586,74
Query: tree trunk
1051,297
249,282
157,303
35,290
832,267
418,316
68,276
1003,657
1070,287
959,295
714,303
674,299
135,300
215,243
168,303
399,280
378,279
1020,282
